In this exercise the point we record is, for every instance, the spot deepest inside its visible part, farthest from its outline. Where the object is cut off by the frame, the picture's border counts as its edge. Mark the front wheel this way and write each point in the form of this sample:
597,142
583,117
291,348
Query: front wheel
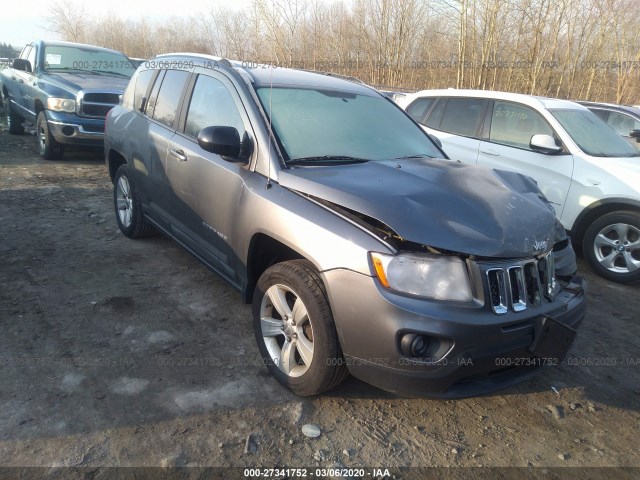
294,329
50,148
612,246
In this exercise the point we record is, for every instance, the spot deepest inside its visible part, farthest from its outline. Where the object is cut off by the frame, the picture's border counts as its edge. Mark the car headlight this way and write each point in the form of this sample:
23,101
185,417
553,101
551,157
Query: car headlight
61,105
434,276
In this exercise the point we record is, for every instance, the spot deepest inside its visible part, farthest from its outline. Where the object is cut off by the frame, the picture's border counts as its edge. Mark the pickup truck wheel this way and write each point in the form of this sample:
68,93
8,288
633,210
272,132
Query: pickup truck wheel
128,208
50,148
14,121
612,246
294,329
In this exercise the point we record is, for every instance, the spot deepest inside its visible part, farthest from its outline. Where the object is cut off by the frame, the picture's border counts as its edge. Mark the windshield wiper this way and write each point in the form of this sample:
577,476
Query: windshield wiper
415,155
327,160
68,69
114,73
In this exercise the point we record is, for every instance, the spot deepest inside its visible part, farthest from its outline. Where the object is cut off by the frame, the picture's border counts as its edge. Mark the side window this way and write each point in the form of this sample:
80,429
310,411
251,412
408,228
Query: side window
153,96
436,114
419,108
622,123
166,106
143,79
514,125
32,58
212,105
25,52
463,116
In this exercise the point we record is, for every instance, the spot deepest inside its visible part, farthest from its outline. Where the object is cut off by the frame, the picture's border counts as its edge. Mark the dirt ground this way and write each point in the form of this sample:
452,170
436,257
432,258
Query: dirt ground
116,352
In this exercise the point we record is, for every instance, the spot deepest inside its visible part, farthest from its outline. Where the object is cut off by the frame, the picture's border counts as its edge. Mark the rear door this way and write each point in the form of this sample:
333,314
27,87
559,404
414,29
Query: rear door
163,111
206,187
507,148
457,122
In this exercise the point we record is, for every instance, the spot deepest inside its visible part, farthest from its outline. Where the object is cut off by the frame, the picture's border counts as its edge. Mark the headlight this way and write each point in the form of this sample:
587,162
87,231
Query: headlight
434,276
61,105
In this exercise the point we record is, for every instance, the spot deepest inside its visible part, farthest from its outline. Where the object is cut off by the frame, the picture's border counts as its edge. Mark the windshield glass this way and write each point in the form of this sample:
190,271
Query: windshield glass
86,59
592,135
320,124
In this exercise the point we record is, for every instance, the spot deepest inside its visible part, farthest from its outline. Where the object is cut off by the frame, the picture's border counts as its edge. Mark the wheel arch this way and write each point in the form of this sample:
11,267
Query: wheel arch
115,160
265,251
598,209
38,107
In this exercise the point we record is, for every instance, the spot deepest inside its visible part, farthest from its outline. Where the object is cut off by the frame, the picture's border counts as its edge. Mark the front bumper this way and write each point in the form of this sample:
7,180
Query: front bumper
71,129
484,351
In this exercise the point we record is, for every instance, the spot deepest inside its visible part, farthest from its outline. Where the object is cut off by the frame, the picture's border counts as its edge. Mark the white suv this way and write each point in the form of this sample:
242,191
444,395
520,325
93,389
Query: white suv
588,172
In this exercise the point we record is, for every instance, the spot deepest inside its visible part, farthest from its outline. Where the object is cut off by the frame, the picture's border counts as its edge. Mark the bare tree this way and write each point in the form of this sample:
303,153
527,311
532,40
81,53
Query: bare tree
69,20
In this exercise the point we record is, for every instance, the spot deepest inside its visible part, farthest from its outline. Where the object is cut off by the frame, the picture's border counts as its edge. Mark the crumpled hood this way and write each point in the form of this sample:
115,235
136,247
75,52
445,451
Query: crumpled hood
73,82
452,206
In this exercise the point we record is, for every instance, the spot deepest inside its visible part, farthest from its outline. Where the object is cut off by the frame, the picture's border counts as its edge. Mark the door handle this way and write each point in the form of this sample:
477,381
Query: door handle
21,80
179,154
13,77
490,152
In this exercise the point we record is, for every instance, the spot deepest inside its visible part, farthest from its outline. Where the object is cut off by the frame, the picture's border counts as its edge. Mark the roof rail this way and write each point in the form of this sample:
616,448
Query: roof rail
336,75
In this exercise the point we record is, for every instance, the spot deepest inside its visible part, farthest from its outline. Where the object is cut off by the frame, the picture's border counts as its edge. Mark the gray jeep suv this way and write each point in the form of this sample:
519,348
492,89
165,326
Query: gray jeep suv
361,246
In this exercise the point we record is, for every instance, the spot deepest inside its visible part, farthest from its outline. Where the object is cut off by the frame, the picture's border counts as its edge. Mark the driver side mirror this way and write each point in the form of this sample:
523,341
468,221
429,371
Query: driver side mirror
544,144
22,65
635,134
223,141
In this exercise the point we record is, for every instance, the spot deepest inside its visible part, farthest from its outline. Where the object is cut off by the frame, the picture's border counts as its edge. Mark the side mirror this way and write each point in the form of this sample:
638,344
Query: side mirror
22,64
635,134
544,144
223,141
435,140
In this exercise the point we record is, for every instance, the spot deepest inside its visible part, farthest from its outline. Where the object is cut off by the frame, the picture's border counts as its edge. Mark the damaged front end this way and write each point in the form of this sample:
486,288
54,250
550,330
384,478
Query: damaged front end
472,270
426,271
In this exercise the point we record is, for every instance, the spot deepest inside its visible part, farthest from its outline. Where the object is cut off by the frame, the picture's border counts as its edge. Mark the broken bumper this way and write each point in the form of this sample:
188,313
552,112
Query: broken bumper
480,352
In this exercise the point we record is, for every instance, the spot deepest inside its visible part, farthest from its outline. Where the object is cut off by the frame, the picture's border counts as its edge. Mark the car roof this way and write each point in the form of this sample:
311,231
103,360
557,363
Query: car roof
533,101
264,75
622,108
60,43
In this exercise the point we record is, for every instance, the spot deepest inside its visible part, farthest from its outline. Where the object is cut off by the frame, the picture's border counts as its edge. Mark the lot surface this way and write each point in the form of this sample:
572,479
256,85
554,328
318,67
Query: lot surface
121,352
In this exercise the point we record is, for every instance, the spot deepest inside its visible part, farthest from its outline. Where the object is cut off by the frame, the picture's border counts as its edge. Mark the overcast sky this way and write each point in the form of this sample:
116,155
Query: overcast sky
22,21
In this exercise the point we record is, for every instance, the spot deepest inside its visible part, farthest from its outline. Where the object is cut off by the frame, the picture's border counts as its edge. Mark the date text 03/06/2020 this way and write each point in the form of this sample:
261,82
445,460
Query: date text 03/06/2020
258,472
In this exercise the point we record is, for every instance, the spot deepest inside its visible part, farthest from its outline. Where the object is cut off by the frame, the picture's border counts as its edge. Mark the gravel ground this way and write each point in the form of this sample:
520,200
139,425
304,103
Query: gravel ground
130,353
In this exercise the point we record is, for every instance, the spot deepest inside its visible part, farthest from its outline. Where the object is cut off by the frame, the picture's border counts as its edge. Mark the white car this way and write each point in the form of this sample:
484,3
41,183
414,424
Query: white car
587,171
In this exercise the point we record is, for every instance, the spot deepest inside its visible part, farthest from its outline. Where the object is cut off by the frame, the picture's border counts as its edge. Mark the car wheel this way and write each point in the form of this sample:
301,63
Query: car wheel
14,121
129,215
294,329
612,246
50,148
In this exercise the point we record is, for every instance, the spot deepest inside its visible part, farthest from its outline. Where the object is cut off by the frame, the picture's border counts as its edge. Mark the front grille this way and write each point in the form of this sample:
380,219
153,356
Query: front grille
520,285
96,104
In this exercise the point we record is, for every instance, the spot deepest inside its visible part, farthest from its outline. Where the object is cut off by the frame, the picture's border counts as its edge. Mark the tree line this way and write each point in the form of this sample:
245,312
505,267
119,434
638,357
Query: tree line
575,49
7,51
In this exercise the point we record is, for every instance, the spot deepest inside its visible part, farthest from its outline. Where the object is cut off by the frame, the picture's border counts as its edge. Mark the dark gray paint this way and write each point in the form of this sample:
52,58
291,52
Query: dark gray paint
446,205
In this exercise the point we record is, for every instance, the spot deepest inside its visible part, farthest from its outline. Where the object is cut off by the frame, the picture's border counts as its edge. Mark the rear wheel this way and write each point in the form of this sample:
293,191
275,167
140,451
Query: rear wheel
128,208
50,148
14,121
612,246
294,329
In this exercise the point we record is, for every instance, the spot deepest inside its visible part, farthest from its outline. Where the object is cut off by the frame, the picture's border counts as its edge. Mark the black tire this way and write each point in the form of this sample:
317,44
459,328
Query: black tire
612,243
14,121
135,224
50,148
327,368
